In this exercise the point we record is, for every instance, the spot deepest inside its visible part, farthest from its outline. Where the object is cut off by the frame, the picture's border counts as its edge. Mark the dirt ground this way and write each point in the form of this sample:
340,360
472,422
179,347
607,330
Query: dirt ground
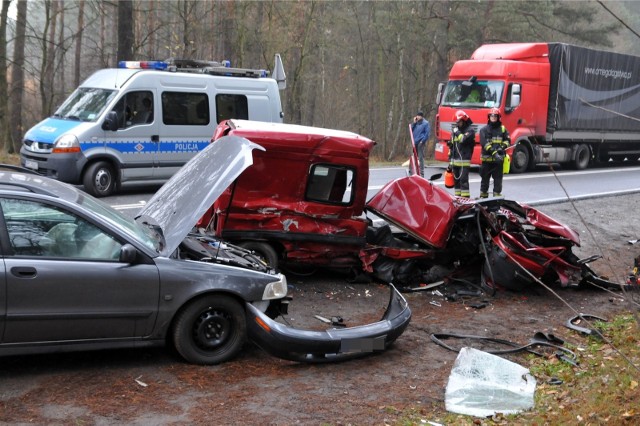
154,387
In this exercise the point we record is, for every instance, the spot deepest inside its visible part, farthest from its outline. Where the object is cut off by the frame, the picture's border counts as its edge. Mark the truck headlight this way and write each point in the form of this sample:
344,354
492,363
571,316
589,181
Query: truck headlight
66,144
276,289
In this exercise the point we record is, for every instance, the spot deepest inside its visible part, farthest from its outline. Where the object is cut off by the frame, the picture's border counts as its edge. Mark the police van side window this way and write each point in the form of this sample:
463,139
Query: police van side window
185,109
134,108
231,106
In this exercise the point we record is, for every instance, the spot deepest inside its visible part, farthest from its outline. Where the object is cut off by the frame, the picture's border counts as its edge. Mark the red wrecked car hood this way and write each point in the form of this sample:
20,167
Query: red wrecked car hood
419,208
428,212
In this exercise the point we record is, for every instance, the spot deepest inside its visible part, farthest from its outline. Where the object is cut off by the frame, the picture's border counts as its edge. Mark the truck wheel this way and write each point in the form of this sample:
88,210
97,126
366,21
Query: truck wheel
520,159
210,330
100,179
583,155
264,251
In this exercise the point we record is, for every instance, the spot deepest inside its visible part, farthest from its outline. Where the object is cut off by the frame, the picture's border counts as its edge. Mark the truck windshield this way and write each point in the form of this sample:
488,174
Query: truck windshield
85,104
479,93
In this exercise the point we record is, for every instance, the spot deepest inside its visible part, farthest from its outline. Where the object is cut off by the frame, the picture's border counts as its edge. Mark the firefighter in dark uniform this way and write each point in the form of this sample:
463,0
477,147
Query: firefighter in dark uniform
494,140
460,151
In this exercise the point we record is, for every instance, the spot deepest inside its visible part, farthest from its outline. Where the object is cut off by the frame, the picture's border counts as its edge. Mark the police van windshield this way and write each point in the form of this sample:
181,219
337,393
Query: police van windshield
476,93
85,104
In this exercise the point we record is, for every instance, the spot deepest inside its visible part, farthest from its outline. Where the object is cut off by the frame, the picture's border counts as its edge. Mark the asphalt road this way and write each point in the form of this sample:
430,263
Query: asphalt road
535,188
541,186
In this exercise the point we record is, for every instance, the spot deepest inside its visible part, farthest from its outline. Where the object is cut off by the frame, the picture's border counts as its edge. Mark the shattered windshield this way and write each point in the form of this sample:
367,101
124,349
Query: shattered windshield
479,93
85,104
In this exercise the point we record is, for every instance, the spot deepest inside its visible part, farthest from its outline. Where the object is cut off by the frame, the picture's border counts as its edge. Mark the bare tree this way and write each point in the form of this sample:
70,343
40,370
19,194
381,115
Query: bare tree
78,40
125,30
48,56
4,134
17,77
60,52
302,36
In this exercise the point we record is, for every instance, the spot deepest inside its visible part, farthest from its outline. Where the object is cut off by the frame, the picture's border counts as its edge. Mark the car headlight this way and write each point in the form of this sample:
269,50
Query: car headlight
276,289
66,143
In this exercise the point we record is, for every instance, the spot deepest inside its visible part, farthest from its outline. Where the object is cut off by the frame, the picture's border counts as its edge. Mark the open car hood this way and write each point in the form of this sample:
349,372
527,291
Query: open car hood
419,208
181,202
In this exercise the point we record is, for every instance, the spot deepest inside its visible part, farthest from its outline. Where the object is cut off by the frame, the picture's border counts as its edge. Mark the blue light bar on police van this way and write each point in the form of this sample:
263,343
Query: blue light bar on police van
143,65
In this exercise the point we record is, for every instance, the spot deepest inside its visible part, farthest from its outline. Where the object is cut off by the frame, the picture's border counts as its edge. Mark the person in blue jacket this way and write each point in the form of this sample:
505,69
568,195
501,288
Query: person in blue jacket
420,129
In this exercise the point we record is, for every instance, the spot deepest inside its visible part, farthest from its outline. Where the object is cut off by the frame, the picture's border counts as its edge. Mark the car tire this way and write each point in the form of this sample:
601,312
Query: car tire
210,330
520,159
264,251
100,179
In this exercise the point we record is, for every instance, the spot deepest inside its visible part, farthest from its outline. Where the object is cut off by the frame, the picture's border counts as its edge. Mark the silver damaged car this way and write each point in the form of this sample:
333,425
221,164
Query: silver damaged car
82,276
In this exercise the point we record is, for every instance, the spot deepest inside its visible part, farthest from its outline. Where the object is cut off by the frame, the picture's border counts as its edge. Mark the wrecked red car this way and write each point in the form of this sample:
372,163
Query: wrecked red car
303,202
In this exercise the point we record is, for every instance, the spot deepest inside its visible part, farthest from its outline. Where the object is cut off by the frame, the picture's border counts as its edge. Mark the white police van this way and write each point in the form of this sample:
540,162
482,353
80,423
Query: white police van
140,122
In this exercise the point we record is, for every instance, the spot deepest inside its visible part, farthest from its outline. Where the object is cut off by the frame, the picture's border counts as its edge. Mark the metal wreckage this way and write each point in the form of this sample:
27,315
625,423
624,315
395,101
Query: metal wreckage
303,203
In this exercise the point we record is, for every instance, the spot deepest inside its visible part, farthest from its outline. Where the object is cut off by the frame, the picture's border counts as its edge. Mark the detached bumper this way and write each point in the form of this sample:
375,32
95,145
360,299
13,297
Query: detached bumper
335,344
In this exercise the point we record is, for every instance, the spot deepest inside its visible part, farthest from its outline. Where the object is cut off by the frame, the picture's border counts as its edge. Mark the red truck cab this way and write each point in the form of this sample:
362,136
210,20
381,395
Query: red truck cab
512,77
302,200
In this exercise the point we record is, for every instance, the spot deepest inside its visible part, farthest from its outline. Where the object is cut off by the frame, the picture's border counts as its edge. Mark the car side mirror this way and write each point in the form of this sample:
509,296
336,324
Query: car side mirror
111,121
128,254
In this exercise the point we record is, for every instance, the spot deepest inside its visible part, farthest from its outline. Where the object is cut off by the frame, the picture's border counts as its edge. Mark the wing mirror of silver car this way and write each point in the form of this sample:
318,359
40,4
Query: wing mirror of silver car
128,253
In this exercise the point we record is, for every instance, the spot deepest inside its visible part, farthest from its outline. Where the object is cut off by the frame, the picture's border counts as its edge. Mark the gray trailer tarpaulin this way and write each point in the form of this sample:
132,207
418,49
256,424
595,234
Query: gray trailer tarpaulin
593,90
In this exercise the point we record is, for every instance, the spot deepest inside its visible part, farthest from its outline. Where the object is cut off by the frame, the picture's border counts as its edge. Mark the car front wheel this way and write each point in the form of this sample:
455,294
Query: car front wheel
100,179
210,330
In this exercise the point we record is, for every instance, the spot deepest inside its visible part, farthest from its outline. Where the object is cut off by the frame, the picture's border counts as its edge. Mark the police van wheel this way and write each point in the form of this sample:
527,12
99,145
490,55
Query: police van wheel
99,179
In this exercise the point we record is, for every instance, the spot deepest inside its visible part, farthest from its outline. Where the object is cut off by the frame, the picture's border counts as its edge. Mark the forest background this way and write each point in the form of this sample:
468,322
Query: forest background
362,66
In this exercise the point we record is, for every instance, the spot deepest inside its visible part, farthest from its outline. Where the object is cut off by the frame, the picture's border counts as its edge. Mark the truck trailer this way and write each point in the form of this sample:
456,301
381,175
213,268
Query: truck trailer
560,103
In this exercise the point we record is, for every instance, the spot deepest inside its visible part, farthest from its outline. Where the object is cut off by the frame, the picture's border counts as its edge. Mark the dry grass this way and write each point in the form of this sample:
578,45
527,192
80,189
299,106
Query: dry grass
9,159
603,389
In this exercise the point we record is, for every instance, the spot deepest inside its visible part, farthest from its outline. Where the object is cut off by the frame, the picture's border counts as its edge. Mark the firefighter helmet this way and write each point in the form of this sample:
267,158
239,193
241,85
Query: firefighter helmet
461,115
494,111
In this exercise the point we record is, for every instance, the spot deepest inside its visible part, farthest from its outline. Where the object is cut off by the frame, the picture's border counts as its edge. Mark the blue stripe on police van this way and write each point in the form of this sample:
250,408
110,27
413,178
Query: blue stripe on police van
183,146
134,147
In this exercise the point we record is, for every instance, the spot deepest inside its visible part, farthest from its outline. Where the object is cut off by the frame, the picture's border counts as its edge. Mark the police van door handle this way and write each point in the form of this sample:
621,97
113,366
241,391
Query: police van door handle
155,138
